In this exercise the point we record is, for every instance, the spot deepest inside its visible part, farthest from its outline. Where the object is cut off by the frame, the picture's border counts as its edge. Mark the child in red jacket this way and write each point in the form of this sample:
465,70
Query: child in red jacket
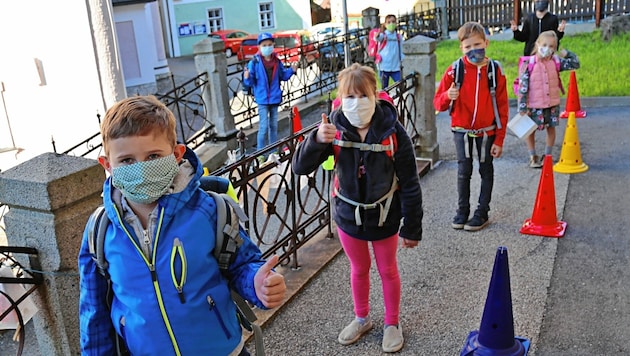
473,122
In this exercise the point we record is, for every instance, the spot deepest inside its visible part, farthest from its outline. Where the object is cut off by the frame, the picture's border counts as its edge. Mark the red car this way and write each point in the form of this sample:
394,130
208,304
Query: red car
231,38
295,46
290,46
249,47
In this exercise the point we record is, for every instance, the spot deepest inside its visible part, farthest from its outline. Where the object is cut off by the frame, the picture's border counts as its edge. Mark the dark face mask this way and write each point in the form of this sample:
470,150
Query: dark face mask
476,55
541,5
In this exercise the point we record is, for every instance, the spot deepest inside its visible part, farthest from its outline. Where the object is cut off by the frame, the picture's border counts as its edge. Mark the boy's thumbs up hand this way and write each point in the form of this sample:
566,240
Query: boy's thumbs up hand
453,92
269,285
326,131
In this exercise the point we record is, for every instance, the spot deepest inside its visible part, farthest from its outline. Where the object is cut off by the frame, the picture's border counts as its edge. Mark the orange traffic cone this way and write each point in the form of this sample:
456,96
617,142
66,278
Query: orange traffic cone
544,219
496,332
573,100
296,121
570,156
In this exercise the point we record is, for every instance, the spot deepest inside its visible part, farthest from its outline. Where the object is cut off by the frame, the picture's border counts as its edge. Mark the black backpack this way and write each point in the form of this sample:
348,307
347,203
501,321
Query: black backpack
229,216
248,90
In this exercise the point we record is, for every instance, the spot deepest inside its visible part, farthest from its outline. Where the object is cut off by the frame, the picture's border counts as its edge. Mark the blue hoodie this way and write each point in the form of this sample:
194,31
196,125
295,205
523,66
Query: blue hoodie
152,315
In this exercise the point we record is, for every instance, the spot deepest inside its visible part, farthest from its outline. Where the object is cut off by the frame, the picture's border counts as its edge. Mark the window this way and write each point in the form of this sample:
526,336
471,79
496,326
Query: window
215,19
265,10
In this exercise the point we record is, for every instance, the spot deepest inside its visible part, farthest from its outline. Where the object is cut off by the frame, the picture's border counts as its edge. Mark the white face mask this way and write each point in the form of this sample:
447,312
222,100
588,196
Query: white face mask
359,111
545,51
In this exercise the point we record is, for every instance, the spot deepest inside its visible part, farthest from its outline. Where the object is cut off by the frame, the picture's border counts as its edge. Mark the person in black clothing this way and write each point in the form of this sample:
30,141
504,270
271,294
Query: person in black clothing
534,24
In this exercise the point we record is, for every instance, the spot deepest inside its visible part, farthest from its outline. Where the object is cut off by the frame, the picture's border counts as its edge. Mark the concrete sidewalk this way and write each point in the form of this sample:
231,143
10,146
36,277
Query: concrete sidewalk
445,280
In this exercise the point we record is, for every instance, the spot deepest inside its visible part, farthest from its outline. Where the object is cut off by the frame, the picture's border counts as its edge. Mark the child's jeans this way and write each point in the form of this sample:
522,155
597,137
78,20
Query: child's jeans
267,126
385,78
464,172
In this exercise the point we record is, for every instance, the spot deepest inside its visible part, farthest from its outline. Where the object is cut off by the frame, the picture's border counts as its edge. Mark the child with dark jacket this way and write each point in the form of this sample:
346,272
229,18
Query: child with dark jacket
473,123
263,74
536,23
168,296
373,191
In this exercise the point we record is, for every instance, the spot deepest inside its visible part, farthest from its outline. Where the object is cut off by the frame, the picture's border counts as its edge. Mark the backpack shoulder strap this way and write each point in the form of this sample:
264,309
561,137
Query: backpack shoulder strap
458,72
229,213
97,227
228,238
458,78
493,73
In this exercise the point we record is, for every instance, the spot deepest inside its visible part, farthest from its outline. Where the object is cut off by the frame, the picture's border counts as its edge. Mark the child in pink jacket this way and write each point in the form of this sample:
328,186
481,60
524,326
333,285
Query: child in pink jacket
540,89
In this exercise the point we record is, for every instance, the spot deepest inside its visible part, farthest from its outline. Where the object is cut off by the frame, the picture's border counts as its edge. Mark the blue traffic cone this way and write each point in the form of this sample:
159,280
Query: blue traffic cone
496,332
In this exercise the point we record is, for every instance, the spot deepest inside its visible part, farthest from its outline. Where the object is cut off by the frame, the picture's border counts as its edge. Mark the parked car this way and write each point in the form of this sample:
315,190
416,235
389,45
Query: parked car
249,47
231,38
291,46
325,30
332,51
295,46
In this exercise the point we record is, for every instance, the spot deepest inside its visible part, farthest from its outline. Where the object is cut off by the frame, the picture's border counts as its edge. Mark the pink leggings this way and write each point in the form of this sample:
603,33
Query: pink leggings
385,255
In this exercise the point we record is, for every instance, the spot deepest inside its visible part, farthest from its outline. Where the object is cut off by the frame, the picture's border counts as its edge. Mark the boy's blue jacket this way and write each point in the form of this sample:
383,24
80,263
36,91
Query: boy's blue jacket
377,176
148,310
266,92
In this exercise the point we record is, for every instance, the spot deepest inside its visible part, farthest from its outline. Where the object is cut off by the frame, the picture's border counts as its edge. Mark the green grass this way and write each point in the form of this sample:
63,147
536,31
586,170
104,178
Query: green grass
604,66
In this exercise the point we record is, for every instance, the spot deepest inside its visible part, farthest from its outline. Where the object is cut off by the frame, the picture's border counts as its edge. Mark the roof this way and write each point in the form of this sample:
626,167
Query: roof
129,2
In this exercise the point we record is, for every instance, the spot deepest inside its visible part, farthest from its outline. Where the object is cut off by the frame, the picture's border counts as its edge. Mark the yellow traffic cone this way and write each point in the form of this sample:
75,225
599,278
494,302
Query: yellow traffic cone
570,157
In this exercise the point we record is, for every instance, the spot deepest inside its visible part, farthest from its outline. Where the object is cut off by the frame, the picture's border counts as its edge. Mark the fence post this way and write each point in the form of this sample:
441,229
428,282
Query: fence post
371,18
420,57
209,58
441,4
50,198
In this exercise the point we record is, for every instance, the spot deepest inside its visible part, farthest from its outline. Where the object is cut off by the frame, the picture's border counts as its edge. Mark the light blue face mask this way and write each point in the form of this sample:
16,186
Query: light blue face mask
145,182
266,50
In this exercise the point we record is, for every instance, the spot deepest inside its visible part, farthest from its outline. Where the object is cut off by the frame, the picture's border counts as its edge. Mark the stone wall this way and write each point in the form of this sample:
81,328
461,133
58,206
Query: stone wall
614,25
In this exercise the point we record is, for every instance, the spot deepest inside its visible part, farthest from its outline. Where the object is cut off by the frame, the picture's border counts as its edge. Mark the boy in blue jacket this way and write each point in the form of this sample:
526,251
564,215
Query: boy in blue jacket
263,74
169,296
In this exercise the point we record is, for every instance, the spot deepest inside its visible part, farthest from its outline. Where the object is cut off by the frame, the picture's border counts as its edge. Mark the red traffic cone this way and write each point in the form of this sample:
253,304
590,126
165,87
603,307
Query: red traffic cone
573,100
544,219
496,332
296,122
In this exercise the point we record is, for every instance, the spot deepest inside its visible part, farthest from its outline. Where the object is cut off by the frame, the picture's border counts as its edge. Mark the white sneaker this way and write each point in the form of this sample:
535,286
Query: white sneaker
351,333
393,339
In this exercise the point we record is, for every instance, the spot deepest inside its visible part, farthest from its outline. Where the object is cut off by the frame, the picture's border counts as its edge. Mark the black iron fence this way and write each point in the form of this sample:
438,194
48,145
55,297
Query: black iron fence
498,13
285,210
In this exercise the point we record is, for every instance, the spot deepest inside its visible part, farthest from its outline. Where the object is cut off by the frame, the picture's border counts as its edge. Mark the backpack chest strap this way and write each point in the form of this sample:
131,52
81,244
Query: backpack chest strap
383,209
475,133
374,147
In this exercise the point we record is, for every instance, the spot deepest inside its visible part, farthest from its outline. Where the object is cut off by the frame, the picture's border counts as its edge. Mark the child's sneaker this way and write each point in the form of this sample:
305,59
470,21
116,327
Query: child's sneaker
459,221
476,223
393,339
534,162
351,333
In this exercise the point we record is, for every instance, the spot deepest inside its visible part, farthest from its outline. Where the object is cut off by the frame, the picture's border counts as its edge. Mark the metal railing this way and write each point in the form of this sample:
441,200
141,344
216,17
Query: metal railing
286,210
22,276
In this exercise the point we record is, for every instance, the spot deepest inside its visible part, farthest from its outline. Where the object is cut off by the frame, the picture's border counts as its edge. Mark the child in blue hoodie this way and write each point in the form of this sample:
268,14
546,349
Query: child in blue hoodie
390,52
168,296
263,74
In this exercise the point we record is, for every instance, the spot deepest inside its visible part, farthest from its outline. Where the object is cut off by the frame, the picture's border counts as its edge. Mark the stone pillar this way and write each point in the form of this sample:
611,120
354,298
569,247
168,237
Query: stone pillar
50,198
112,82
210,58
420,58
371,18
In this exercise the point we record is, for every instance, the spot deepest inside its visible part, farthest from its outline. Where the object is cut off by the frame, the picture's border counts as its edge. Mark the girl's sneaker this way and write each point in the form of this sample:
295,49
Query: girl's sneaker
351,333
393,339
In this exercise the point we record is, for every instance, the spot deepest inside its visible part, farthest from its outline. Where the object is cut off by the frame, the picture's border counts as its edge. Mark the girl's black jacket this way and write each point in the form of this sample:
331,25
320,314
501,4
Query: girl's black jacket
366,176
